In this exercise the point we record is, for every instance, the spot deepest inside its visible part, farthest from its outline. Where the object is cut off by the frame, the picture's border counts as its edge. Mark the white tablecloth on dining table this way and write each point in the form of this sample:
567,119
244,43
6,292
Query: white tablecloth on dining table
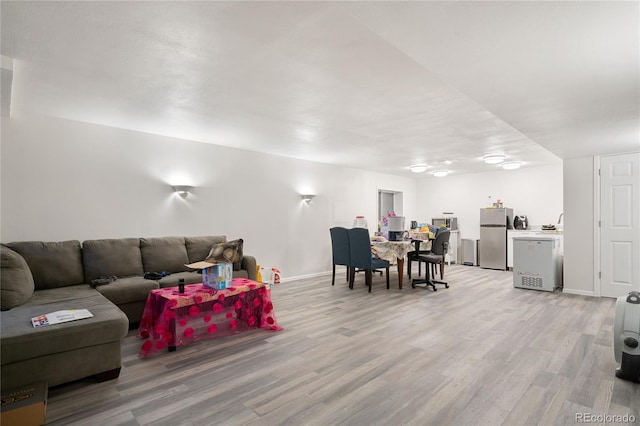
391,250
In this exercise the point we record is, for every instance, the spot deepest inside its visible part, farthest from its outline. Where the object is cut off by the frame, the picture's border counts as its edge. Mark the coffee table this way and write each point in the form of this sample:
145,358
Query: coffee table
172,319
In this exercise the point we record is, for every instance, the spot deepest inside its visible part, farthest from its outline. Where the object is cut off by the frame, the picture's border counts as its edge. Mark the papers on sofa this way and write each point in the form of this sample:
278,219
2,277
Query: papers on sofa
61,316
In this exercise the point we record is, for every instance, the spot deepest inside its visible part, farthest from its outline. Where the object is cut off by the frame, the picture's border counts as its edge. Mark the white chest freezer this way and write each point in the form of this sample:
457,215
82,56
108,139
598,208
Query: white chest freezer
537,263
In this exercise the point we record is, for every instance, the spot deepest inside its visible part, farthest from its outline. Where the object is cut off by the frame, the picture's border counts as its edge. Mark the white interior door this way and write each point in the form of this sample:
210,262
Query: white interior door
620,224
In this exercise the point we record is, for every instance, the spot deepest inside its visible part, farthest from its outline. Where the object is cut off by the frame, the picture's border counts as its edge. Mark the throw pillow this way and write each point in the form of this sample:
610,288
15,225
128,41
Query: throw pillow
16,280
229,252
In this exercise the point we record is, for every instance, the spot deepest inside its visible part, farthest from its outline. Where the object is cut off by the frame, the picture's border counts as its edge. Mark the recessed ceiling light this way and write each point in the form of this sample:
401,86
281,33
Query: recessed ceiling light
447,162
440,173
512,165
418,168
494,158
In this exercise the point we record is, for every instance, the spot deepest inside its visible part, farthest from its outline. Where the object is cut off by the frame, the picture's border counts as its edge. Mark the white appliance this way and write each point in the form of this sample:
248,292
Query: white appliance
537,263
360,222
626,337
396,228
449,222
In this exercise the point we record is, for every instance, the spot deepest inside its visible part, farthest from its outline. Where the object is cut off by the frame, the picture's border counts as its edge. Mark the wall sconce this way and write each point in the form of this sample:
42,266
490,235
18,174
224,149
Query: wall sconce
307,197
182,190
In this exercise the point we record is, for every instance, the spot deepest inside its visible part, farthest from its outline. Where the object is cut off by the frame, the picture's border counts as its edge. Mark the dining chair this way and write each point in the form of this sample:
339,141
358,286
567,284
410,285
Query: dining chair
412,256
340,249
433,265
439,249
362,258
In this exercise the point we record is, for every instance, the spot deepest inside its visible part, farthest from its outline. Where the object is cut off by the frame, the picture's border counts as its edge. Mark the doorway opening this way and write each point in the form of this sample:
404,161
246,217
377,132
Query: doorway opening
389,202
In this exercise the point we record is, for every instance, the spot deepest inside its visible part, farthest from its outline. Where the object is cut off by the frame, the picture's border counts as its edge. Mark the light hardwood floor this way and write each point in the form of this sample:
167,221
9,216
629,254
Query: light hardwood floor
480,352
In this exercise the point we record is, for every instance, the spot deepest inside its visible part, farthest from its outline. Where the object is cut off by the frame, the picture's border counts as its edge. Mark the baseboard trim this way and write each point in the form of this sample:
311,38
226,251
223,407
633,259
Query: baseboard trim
300,277
579,292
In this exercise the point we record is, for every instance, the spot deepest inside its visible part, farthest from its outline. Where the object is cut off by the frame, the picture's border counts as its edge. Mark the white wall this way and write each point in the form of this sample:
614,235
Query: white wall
536,192
65,180
579,229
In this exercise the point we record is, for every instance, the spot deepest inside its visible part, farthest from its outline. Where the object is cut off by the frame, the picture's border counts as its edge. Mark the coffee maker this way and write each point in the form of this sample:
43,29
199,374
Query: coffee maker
520,222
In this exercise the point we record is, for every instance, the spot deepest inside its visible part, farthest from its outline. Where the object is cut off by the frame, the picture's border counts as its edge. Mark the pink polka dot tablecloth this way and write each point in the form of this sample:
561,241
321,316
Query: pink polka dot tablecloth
172,319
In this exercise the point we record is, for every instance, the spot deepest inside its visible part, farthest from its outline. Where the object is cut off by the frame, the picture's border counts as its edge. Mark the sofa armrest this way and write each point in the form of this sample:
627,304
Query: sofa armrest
249,264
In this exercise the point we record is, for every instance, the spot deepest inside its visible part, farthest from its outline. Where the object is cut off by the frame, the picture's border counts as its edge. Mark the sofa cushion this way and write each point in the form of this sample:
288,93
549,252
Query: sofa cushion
249,265
70,295
229,252
16,281
168,254
173,279
128,290
21,341
104,258
241,273
52,264
198,247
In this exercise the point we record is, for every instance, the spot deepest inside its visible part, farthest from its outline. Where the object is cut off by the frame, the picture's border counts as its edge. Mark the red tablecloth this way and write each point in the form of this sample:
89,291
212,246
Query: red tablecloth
173,319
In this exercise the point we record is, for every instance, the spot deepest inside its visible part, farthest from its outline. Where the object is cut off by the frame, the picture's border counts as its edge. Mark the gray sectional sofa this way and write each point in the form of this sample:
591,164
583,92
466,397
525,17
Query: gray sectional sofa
43,277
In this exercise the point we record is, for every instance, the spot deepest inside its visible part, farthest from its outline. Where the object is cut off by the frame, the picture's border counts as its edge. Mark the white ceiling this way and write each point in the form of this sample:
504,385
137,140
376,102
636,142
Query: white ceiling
373,85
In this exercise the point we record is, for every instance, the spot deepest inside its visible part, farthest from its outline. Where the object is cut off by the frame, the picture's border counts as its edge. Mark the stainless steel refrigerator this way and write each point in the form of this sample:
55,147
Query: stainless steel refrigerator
493,237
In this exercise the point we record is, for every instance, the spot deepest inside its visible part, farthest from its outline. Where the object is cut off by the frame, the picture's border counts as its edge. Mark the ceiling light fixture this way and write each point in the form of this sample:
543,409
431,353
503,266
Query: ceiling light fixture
512,165
440,173
418,168
307,197
494,158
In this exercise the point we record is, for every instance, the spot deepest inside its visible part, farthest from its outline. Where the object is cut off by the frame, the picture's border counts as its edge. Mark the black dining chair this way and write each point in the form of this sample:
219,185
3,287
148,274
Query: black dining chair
362,258
341,251
439,249
412,256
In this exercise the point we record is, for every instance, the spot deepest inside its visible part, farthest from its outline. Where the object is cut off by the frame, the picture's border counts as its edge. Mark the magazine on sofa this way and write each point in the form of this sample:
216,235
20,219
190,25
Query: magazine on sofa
60,316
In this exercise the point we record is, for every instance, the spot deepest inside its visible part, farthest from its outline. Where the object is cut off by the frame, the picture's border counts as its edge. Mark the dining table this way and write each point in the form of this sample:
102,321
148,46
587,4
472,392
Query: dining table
393,251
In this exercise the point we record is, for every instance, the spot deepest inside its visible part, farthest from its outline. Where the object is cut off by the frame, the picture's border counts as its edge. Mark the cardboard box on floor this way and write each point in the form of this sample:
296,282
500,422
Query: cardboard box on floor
215,275
25,406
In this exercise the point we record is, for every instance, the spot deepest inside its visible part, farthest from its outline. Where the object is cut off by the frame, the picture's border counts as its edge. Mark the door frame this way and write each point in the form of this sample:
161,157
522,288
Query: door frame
597,229
597,279
398,202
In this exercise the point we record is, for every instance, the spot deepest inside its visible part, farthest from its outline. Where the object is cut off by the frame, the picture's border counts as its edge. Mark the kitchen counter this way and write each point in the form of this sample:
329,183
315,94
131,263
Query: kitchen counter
534,231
